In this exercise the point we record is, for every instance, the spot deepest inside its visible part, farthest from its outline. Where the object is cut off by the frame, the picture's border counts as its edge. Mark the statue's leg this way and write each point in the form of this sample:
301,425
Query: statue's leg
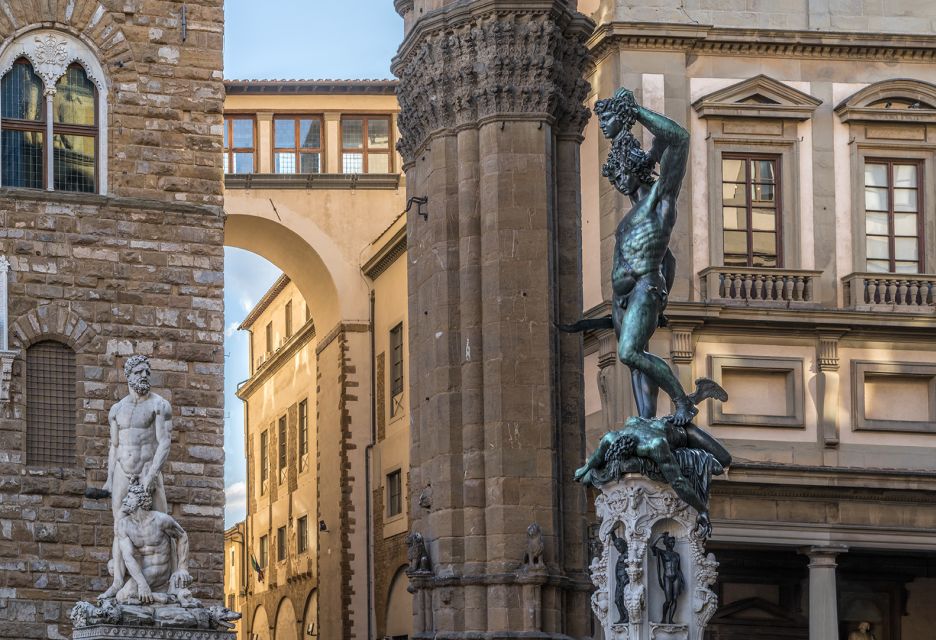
640,320
645,393
119,487
699,439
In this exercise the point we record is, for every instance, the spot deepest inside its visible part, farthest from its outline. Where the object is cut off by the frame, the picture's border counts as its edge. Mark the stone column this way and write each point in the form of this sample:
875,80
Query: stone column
823,598
490,125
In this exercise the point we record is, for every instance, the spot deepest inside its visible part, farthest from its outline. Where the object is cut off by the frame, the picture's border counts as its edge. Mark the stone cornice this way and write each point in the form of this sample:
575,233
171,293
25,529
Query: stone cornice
467,61
388,254
13,194
707,39
273,364
312,181
265,301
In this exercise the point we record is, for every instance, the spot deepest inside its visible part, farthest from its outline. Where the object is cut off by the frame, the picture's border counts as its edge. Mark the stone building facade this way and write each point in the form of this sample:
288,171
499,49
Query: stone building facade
327,515
805,248
111,220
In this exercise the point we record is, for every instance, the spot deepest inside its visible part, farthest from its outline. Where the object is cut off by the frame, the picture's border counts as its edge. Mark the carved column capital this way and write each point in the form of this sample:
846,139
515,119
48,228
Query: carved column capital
468,62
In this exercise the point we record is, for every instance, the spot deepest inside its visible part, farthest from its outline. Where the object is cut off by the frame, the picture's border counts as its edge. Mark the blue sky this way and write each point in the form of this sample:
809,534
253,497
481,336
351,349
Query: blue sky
296,39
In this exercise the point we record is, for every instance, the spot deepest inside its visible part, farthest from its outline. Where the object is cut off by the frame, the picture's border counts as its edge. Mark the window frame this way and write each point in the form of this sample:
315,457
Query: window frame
48,125
778,186
264,549
268,335
282,540
50,444
282,457
296,117
395,392
919,163
230,150
288,317
364,149
394,498
264,460
302,534
303,427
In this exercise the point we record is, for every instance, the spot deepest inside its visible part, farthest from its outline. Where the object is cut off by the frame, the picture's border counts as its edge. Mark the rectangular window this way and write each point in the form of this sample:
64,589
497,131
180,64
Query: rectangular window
264,460
269,338
50,404
365,144
239,145
232,557
297,144
893,236
282,446
751,210
281,544
303,428
302,534
394,493
289,319
230,604
264,551
396,369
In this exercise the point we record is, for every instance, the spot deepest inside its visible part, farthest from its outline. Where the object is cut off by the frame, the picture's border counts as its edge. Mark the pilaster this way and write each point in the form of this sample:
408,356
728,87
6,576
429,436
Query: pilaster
827,387
491,117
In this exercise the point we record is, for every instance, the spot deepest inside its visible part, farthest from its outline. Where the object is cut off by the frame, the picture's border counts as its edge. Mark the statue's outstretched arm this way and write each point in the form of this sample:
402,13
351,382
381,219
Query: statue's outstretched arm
670,148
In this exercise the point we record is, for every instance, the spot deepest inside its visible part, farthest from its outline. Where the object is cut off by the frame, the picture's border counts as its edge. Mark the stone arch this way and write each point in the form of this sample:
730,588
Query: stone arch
53,321
310,615
260,624
87,20
309,258
399,613
285,621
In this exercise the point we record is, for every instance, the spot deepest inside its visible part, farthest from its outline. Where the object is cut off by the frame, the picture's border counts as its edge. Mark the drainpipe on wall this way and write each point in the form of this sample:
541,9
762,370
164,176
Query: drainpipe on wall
368,456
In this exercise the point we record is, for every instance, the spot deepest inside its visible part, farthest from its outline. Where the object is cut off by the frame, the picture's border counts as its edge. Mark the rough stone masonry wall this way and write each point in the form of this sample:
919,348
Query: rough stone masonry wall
110,278
140,270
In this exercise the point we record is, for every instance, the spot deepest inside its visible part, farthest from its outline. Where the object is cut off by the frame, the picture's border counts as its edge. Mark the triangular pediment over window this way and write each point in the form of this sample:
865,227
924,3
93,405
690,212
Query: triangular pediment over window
757,611
900,100
758,97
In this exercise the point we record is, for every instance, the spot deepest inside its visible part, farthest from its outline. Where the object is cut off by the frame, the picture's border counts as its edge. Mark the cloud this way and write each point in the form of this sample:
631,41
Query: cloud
231,329
236,496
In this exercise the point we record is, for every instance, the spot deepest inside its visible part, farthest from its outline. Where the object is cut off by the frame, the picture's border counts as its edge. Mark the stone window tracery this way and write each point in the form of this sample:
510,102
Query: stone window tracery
52,109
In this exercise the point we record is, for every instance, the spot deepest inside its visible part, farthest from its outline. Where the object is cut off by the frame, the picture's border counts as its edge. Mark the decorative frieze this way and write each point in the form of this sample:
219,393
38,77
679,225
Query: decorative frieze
466,66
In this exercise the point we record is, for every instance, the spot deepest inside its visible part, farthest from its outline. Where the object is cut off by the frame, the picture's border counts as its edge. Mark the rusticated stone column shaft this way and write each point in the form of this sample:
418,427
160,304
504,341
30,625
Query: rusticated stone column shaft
490,123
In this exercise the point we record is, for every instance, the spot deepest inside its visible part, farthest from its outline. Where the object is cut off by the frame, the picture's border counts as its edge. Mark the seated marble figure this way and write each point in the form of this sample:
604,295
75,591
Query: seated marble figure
153,549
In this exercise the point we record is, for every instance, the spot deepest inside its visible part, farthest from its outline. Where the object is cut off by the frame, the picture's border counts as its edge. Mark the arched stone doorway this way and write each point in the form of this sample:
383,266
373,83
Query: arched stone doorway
260,626
399,614
310,617
286,621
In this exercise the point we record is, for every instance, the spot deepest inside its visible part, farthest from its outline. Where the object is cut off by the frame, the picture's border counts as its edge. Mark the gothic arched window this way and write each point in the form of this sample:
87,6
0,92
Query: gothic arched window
50,404
52,110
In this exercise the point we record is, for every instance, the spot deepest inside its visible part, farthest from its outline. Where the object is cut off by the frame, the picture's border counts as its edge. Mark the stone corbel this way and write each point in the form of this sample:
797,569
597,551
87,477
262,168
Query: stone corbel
827,386
682,350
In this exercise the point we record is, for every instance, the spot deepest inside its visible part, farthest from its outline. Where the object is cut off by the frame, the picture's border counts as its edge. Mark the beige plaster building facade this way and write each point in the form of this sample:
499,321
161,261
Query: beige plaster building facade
327,488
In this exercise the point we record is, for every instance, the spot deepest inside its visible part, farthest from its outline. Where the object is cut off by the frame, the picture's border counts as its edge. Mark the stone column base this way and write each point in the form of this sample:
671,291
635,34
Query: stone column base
111,631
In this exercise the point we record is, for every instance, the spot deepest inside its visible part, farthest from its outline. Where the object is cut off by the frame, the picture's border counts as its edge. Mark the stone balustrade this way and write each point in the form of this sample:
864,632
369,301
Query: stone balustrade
897,291
759,286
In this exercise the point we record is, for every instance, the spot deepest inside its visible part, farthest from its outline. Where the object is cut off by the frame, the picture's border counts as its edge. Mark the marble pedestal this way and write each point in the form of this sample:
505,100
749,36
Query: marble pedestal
111,631
638,510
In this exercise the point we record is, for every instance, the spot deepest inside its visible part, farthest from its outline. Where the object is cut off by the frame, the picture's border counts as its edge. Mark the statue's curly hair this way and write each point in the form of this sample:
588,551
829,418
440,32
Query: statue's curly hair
133,361
621,103
626,157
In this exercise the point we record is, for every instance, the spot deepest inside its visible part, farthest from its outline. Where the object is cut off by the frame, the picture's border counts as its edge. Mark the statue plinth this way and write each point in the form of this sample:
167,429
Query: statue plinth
652,563
111,631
